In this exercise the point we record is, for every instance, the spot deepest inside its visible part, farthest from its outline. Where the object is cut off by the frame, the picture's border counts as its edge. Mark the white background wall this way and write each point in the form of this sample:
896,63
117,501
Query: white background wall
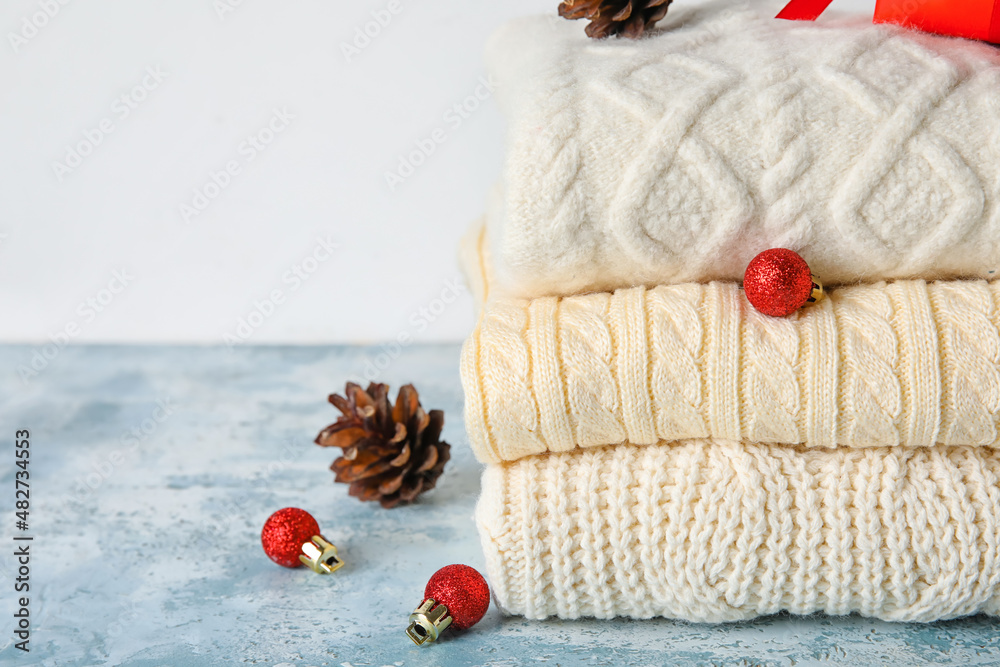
199,78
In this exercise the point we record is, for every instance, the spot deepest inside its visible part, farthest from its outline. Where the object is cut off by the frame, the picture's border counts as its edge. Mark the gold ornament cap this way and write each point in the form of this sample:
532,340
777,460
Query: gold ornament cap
427,622
320,556
817,293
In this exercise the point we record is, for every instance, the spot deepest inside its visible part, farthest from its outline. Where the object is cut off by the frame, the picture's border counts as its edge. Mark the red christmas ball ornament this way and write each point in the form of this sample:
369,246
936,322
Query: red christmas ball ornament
456,596
778,282
291,538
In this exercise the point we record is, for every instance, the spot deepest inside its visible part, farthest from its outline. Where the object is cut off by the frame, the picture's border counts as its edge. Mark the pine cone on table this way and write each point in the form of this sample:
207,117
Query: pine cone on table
391,453
629,18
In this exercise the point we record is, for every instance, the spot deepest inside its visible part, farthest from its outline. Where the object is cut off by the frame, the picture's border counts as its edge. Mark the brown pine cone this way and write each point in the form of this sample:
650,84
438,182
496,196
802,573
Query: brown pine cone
629,18
391,454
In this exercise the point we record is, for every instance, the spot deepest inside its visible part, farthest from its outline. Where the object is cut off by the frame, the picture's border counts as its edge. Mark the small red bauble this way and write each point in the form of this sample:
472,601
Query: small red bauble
778,282
455,595
463,590
291,538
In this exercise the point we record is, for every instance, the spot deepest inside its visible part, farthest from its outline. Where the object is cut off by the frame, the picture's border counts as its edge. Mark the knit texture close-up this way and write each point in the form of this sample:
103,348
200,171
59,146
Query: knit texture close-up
869,149
908,363
721,531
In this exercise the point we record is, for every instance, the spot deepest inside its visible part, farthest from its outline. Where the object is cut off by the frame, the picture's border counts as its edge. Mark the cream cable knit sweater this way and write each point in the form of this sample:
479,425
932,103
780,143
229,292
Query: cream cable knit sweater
725,531
871,150
906,364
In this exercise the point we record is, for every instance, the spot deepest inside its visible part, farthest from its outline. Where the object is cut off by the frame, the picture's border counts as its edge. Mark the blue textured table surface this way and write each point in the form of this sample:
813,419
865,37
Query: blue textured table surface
154,468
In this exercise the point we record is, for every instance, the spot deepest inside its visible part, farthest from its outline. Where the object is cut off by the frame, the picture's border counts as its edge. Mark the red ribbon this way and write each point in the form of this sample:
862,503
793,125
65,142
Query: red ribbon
975,19
804,10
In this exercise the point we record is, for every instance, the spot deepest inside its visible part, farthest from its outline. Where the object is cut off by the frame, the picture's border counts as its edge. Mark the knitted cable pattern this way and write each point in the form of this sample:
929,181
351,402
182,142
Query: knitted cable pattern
868,148
909,364
675,343
720,531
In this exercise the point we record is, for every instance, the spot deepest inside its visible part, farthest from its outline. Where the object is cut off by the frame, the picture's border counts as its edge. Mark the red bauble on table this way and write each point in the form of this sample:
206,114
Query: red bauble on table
456,596
291,537
284,534
463,590
778,282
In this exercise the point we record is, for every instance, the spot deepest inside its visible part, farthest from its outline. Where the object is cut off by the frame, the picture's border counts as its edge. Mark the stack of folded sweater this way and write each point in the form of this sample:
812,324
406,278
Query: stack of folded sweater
655,446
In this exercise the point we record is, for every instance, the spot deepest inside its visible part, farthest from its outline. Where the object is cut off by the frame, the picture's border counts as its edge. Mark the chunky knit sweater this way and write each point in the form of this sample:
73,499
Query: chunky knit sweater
872,151
722,531
909,364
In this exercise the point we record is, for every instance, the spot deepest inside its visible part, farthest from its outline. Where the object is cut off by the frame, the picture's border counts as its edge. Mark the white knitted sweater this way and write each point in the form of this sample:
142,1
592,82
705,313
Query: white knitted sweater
873,151
722,531
909,364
